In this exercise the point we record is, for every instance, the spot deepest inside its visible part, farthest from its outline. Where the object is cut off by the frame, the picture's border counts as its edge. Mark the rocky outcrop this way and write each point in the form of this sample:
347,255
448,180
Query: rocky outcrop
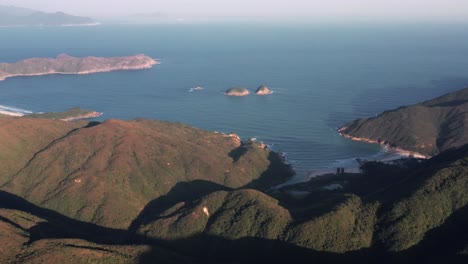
263,90
237,91
65,64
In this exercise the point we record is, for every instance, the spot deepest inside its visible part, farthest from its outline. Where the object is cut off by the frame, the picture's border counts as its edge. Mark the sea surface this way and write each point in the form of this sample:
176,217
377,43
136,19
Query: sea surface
323,75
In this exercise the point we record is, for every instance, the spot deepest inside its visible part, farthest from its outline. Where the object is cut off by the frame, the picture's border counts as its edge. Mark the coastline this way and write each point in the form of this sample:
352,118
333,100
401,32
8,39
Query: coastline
93,114
149,63
2,112
87,116
399,150
2,78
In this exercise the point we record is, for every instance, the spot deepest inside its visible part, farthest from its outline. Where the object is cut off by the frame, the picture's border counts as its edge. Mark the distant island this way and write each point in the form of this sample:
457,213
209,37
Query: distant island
65,64
17,16
263,90
237,91
241,91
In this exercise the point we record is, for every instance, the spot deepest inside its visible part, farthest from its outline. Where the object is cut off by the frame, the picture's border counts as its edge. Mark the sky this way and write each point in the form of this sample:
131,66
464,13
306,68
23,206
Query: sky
311,9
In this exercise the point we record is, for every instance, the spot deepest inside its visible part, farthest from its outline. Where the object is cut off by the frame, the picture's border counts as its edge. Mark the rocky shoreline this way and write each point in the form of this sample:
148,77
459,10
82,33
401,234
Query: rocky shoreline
403,152
86,116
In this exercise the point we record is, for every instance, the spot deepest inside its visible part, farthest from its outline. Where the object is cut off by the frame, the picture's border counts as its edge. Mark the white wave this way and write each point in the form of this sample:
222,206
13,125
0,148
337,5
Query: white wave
13,111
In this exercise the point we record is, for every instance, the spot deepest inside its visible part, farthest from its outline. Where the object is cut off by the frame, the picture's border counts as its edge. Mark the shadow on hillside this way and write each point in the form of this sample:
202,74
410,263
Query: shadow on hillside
60,226
439,245
92,124
447,240
236,153
214,249
277,172
187,192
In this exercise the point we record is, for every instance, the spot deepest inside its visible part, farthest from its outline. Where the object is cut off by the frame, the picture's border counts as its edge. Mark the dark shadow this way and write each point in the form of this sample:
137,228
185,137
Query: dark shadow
238,152
451,103
444,241
187,192
277,172
92,124
60,226
214,249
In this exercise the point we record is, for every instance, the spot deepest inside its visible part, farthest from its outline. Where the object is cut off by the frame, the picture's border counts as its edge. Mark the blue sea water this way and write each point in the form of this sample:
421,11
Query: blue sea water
322,75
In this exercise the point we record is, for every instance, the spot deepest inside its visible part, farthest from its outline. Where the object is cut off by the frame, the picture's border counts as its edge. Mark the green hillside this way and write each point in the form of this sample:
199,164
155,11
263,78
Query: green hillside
105,173
428,128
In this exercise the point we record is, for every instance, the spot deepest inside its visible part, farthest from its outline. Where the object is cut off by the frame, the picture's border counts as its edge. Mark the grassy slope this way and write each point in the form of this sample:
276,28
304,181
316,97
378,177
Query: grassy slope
428,128
107,173
19,232
394,214
22,138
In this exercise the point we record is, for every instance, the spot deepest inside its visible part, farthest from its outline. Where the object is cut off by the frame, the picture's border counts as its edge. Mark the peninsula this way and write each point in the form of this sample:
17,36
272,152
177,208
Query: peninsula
423,129
65,64
72,114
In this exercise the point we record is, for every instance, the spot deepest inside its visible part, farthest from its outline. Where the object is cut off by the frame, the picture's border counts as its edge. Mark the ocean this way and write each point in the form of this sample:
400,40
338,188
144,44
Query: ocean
322,76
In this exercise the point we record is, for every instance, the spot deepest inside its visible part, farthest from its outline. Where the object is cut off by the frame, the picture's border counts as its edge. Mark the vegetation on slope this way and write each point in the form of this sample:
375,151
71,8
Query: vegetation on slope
106,173
369,215
428,128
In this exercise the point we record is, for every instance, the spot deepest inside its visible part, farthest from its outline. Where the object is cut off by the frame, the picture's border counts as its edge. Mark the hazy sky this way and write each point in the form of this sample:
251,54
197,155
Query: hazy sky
382,9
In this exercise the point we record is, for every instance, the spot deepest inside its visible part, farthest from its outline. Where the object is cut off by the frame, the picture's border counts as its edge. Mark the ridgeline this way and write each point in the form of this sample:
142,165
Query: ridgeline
146,191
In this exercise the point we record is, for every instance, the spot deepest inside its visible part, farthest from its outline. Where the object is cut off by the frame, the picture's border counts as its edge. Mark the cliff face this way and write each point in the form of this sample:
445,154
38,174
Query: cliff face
428,128
65,64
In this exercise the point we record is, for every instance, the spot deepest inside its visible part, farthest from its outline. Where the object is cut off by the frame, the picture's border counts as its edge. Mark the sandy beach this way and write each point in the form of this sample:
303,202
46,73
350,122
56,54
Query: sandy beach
10,113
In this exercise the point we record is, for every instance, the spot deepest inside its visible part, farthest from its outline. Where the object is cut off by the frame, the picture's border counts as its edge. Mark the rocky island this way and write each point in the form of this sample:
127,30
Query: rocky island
263,90
65,64
237,91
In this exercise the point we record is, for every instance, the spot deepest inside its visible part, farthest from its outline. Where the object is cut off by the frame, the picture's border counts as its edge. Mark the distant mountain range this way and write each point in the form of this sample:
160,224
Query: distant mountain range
17,16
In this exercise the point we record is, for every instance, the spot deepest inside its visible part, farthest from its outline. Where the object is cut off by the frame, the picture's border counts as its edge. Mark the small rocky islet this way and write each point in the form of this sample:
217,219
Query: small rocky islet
241,91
